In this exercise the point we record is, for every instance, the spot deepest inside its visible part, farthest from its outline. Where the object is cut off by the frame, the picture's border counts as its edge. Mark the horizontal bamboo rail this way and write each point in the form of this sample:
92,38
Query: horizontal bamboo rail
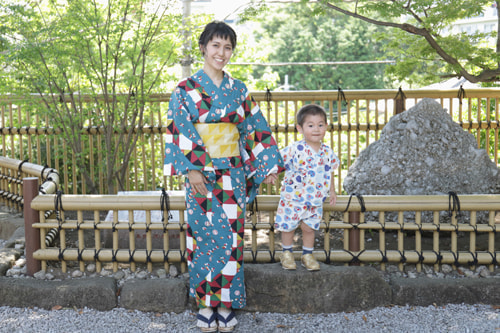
13,171
357,227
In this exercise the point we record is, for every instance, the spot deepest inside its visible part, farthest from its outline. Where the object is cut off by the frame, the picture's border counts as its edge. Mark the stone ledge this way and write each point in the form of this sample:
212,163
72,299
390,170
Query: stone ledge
158,295
95,293
427,291
269,289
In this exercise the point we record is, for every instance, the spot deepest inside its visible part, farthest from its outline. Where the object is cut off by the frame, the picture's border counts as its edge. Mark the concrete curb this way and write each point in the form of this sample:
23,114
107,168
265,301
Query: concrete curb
269,289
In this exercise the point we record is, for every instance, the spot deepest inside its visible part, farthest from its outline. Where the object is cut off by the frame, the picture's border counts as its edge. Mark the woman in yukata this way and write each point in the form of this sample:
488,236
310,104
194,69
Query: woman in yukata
218,138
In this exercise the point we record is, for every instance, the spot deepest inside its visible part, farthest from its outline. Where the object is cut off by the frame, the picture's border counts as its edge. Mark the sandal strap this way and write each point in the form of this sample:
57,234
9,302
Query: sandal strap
227,319
209,321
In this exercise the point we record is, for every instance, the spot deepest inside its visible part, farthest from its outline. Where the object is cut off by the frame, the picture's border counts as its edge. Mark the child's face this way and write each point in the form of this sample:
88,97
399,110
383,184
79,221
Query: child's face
313,129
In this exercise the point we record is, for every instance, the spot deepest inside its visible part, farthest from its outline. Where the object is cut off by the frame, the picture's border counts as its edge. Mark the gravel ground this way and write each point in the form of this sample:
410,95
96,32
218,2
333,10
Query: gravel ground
449,318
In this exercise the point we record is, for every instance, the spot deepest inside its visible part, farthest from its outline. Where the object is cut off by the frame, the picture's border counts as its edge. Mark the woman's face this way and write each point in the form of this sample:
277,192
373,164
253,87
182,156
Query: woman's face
217,53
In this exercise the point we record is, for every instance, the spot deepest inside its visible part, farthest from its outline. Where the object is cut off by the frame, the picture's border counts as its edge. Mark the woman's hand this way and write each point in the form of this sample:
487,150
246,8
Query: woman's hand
197,181
271,179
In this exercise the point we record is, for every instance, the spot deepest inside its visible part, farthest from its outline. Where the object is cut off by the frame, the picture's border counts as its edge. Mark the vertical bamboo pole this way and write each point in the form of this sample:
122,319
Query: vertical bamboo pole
472,235
43,234
20,136
491,237
182,240
354,234
435,240
131,238
31,216
357,126
115,239
97,241
153,155
454,236
381,238
81,239
401,247
418,238
11,136
4,141
149,240
99,162
62,240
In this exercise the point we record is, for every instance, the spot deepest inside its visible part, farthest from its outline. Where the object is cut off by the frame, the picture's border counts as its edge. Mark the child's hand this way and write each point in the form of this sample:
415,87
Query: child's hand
333,198
271,179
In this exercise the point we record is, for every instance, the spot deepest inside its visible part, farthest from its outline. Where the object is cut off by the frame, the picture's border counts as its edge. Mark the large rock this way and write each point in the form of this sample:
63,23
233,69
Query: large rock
423,151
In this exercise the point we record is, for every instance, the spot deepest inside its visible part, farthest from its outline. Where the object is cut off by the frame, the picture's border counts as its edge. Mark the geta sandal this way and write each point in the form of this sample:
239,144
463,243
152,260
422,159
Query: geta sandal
224,321
210,321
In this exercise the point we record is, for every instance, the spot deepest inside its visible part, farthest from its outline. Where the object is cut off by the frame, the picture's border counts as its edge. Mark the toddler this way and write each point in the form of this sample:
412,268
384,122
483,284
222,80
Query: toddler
309,170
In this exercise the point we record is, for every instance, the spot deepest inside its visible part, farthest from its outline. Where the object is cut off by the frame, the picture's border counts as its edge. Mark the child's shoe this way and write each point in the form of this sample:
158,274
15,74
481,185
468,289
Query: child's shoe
287,260
309,262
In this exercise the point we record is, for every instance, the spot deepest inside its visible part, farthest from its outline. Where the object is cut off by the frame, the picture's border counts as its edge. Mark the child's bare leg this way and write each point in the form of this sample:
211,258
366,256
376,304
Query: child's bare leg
308,260
307,235
287,238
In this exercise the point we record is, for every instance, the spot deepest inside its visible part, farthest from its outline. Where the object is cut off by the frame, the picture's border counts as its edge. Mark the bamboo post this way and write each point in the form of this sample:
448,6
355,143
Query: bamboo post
354,234
32,235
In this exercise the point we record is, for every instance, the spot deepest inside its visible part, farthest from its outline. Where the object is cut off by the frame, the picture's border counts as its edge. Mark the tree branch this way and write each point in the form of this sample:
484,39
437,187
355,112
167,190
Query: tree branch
486,75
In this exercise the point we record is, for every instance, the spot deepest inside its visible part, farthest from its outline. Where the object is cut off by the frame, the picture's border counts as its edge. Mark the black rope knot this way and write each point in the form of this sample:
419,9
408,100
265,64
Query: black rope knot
453,197
164,205
461,93
360,200
341,96
254,207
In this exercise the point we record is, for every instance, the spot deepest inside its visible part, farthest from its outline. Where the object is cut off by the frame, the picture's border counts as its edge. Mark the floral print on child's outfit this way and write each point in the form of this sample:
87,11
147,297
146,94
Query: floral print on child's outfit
305,186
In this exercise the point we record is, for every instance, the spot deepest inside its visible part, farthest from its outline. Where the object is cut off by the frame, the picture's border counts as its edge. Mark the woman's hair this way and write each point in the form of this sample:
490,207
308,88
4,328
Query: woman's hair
310,110
217,29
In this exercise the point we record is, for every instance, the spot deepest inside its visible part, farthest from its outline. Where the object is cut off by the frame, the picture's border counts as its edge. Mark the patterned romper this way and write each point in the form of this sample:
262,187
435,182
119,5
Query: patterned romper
305,186
215,230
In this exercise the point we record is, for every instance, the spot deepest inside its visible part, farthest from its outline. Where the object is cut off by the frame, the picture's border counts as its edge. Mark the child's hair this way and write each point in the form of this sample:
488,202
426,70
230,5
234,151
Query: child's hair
217,29
310,110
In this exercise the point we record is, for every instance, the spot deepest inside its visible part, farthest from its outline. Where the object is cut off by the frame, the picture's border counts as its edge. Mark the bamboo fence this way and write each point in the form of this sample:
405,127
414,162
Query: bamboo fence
435,241
356,119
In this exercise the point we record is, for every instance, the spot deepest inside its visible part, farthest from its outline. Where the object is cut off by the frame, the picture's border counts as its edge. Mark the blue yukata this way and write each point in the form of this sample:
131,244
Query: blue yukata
201,118
305,186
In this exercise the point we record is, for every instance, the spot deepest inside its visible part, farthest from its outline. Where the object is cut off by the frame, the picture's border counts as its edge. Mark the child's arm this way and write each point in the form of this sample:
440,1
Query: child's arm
333,194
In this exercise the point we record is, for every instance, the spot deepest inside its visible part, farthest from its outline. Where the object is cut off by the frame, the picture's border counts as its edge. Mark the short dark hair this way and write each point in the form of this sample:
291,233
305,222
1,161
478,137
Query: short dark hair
217,29
310,110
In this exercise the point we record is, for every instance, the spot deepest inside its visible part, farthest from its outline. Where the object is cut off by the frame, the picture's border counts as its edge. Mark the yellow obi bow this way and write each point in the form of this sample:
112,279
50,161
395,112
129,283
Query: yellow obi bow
221,139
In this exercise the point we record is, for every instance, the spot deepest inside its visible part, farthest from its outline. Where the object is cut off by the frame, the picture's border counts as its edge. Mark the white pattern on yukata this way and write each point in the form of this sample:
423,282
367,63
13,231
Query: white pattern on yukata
305,186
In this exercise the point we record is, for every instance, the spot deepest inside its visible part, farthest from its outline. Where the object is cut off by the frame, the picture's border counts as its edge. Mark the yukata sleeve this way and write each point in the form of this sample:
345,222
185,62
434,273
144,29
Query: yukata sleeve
258,148
184,149
287,158
334,162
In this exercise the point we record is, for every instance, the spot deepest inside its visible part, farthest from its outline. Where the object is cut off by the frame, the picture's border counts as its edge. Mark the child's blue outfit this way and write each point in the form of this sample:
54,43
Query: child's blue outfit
305,186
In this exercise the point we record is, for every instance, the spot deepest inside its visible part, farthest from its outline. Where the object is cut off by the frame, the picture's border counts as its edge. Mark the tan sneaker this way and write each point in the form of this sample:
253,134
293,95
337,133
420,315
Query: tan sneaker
287,260
309,262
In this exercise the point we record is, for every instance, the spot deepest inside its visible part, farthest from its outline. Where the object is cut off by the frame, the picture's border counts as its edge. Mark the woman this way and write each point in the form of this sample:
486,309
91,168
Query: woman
218,138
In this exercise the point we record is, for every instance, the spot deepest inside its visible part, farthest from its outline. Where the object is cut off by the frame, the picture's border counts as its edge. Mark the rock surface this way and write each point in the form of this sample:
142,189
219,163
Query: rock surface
422,151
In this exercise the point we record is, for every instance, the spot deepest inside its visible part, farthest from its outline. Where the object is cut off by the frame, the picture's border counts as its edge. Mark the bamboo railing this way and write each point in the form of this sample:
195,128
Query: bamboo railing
355,230
356,119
